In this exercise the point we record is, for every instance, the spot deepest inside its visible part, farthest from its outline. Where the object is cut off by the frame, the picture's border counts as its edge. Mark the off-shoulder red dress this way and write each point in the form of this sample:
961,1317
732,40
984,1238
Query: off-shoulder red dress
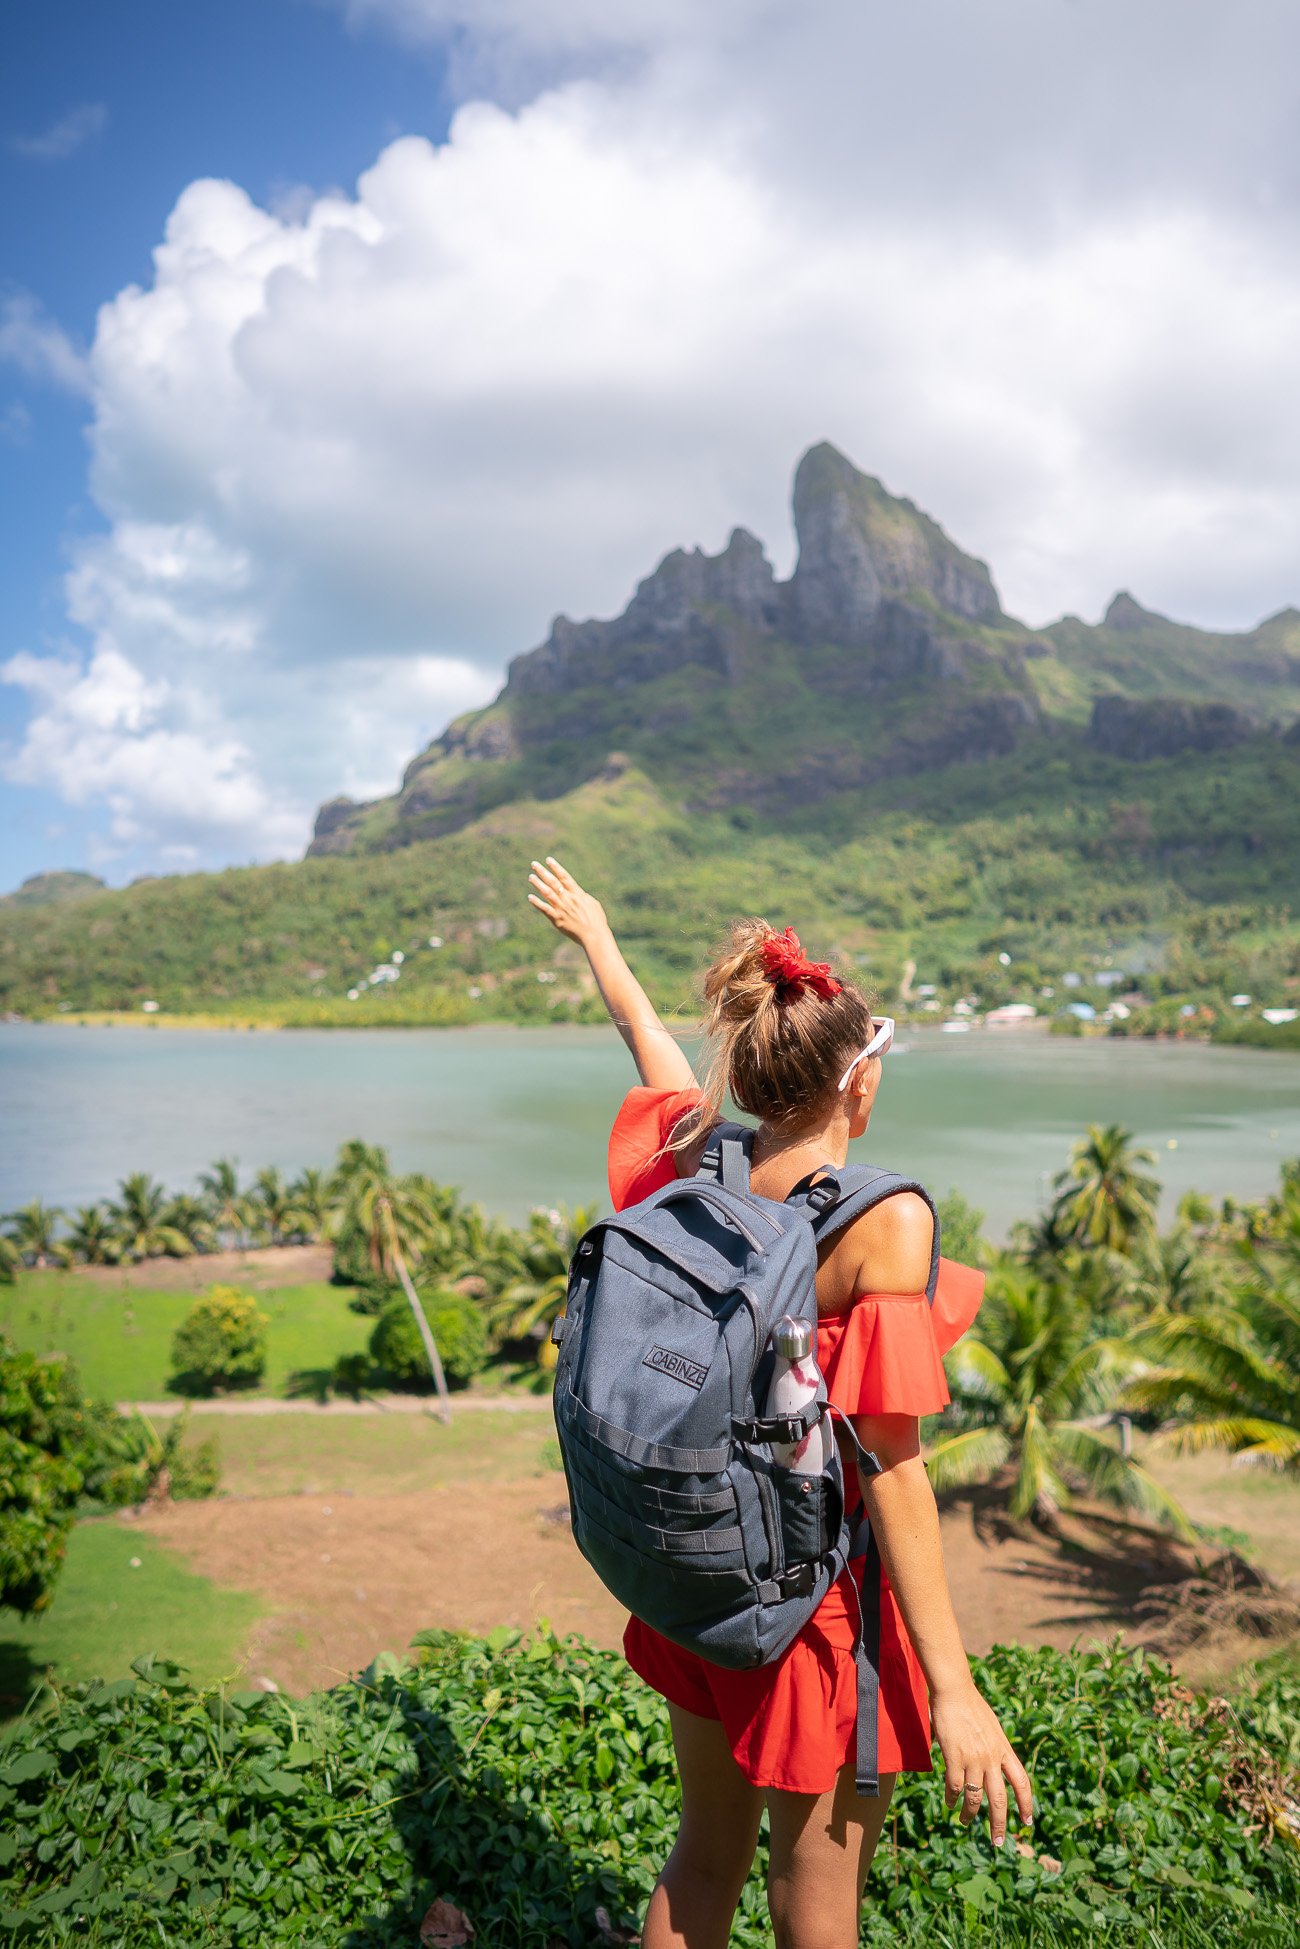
792,1725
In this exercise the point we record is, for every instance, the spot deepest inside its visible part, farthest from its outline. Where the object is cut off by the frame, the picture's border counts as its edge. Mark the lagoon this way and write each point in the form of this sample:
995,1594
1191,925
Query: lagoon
519,1117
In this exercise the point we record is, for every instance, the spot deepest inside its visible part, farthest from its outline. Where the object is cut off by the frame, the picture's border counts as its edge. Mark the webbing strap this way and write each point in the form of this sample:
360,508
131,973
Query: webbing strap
867,1762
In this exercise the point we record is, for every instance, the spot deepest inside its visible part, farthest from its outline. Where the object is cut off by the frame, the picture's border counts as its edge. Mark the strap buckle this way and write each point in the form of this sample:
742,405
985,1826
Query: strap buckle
799,1582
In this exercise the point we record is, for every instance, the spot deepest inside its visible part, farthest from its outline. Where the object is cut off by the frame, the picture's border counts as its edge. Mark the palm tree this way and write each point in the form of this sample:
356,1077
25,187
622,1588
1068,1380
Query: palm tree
189,1216
141,1221
1105,1197
1030,1395
531,1302
271,1203
227,1205
32,1231
1228,1376
10,1261
314,1205
392,1219
92,1238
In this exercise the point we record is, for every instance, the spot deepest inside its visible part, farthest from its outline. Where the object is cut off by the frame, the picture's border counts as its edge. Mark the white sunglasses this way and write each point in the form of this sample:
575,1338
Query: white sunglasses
878,1046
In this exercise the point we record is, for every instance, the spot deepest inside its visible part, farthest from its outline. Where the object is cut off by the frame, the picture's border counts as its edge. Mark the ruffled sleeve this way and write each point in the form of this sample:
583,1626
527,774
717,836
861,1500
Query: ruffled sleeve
885,1355
638,1162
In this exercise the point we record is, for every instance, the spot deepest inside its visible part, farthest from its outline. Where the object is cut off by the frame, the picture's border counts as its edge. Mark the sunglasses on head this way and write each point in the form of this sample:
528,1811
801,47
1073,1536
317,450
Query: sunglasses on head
878,1046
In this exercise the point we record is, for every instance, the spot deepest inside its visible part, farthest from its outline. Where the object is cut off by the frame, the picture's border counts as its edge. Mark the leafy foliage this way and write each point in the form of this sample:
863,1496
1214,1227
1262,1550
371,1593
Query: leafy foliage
62,1454
220,1343
1029,1385
533,1784
1106,1196
458,1327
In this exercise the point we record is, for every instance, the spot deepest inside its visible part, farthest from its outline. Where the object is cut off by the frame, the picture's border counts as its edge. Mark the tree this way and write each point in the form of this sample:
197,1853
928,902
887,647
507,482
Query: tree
529,1304
189,1216
1030,1391
314,1203
141,1221
33,1231
1105,1196
39,1477
92,1237
10,1260
220,1343
391,1218
271,1205
227,1205
1227,1375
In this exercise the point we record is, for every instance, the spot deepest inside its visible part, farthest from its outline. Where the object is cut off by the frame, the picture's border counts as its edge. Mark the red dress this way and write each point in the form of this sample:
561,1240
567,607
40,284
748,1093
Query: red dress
792,1725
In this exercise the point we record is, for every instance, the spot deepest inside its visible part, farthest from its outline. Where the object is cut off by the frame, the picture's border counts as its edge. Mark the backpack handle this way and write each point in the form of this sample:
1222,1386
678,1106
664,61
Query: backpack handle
722,1204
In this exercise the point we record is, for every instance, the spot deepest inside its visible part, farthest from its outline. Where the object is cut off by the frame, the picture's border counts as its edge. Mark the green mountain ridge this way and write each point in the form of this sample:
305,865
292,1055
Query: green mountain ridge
871,748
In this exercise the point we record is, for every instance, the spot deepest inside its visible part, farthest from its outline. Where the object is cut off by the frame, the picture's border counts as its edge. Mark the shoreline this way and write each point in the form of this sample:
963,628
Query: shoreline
201,1023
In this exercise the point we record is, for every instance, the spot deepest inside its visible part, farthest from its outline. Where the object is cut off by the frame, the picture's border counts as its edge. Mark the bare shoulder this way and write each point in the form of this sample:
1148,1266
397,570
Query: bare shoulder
688,1159
892,1245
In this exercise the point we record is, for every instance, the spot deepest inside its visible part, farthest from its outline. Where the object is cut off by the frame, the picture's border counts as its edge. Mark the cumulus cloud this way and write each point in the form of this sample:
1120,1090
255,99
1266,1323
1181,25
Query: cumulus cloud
1034,267
65,136
38,345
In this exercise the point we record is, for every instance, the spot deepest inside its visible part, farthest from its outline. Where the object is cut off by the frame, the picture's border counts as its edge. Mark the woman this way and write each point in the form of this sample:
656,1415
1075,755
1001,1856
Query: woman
800,1051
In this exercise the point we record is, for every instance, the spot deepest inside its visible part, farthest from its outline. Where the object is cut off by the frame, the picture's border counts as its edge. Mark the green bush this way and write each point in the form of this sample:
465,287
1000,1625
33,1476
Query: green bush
62,1455
220,1343
458,1326
41,1425
533,1785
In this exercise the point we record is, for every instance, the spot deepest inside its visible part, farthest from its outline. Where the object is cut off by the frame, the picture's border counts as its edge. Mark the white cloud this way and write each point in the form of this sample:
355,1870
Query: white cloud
65,136
38,345
1035,268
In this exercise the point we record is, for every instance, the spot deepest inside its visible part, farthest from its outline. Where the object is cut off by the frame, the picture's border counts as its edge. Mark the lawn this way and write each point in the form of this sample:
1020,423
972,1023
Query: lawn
120,1336
122,1594
356,1455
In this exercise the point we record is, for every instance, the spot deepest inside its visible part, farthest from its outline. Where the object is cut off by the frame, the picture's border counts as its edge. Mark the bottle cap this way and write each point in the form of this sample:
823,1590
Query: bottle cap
793,1339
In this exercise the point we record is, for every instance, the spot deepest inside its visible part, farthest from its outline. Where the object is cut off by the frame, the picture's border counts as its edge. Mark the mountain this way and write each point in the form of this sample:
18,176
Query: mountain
885,655
872,749
42,888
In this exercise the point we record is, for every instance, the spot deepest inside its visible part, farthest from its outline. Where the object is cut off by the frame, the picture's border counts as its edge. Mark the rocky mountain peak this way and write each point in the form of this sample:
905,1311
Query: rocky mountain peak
860,546
1127,614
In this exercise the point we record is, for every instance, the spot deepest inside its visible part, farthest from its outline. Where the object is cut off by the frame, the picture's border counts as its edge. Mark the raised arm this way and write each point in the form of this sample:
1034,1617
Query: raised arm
659,1060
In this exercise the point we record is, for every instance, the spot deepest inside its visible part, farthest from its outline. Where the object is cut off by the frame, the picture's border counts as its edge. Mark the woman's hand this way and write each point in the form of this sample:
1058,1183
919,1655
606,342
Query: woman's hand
557,895
977,1755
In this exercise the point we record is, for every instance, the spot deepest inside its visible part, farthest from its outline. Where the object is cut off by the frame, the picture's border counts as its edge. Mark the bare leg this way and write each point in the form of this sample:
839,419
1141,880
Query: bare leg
822,1846
695,1897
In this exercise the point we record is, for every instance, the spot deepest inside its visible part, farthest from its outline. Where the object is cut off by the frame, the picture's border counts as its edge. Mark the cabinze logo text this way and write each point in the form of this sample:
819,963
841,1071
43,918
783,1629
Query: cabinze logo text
677,1365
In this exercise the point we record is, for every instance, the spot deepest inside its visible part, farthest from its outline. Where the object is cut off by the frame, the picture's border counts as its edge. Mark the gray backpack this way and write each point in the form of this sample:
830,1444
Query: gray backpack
660,1388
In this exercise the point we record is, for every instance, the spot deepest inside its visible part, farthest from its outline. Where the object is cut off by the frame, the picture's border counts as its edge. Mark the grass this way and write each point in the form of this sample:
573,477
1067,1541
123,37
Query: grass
291,1454
120,1336
106,1612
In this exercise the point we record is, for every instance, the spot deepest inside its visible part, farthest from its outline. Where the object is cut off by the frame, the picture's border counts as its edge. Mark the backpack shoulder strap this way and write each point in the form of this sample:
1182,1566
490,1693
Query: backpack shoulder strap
727,1154
840,1197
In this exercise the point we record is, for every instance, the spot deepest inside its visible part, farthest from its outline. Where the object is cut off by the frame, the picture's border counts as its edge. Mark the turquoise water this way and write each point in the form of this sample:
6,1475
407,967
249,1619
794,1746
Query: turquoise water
519,1116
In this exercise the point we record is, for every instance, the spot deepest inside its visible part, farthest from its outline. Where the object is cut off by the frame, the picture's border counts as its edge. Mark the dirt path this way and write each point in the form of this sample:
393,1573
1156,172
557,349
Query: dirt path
258,1268
373,1404
346,1577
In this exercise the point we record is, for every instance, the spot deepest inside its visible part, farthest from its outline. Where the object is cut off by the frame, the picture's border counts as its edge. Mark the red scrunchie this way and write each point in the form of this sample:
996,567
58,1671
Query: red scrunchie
790,971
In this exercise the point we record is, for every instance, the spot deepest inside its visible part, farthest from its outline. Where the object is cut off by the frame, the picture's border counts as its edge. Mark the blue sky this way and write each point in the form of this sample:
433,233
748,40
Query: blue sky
344,342
274,94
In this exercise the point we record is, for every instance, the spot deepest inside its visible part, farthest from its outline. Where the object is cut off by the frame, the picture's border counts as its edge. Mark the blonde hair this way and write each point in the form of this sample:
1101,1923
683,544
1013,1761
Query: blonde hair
778,1053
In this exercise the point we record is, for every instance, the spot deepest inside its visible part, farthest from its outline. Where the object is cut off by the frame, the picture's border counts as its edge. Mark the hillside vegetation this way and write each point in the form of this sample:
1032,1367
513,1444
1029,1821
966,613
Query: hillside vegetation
871,750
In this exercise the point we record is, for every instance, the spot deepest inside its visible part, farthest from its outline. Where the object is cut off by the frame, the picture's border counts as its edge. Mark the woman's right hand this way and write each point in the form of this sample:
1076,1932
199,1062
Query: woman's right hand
978,1757
557,895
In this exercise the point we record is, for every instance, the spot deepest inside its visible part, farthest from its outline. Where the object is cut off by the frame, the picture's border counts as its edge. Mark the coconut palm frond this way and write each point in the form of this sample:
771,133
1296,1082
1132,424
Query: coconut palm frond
1239,1434
960,1460
976,1370
1117,1479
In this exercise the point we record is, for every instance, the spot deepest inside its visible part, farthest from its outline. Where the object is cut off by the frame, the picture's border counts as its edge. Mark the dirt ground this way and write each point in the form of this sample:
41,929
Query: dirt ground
256,1269
347,1576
